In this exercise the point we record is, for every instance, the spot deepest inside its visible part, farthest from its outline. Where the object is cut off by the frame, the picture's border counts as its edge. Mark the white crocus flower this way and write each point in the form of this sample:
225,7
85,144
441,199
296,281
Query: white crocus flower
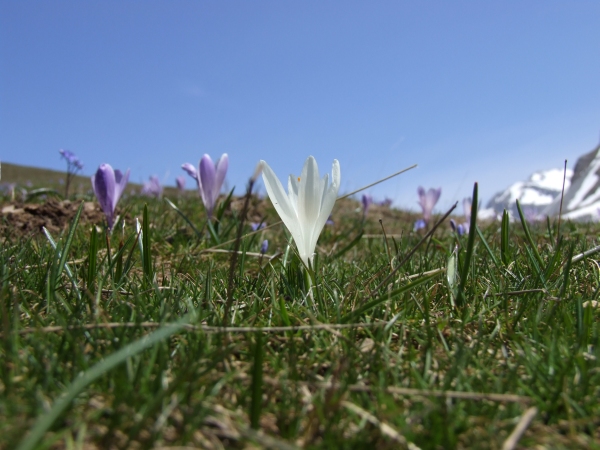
307,205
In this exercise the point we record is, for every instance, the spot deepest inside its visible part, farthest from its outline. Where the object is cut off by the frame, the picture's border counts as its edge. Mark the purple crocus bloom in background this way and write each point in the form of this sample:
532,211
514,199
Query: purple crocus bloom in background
366,202
73,166
257,226
386,202
427,200
531,214
152,187
108,186
180,181
460,228
419,225
210,177
264,247
467,213
463,228
72,160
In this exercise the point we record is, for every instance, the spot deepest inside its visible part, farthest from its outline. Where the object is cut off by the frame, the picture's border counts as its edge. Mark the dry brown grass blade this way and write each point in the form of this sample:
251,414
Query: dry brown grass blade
515,436
385,428
203,328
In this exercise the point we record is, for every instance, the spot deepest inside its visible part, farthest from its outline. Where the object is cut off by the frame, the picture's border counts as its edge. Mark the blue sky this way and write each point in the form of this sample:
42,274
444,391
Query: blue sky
468,90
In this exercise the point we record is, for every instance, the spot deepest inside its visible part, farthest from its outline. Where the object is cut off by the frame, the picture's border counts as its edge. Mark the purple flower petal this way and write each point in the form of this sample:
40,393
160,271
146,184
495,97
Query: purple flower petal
419,224
427,200
221,171
366,202
191,170
180,181
108,185
211,179
264,247
207,178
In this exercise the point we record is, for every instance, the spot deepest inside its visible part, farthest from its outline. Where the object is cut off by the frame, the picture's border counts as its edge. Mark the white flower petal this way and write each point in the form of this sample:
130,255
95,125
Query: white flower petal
281,201
329,197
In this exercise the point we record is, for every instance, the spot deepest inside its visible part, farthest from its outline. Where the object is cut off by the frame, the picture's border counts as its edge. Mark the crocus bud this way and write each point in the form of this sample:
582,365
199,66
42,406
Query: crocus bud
108,186
180,183
264,247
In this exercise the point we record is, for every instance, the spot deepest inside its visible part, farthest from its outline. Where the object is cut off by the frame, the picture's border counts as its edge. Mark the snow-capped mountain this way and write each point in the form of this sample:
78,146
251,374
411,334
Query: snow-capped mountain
582,199
535,195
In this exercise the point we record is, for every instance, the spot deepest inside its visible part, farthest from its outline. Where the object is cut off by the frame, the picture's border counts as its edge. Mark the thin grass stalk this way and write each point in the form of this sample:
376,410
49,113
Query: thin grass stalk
528,236
460,297
562,197
147,256
385,241
92,260
504,236
234,254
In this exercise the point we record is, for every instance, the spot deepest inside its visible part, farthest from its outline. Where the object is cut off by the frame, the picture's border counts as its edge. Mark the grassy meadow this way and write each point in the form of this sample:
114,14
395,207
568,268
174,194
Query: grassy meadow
172,333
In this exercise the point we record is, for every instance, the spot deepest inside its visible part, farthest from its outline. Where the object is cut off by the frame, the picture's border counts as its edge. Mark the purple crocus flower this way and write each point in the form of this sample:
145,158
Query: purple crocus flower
366,202
264,247
152,187
180,181
419,225
72,160
73,166
257,226
427,200
108,186
467,213
386,202
191,170
460,228
463,228
209,177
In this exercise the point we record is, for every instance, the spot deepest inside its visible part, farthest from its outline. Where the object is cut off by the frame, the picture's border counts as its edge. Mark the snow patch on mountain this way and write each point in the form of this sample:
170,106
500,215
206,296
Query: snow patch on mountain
534,195
582,199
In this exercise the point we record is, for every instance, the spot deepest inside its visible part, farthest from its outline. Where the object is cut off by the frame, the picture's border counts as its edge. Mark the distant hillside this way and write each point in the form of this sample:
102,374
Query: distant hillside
35,177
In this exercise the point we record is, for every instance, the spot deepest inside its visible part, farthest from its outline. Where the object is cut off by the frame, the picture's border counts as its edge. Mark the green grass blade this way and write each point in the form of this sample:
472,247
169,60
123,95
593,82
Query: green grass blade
212,230
147,255
528,237
460,297
45,421
452,274
65,250
487,247
92,259
504,234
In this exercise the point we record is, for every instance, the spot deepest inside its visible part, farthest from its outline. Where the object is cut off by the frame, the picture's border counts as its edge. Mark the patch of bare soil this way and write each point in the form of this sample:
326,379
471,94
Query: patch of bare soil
24,219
